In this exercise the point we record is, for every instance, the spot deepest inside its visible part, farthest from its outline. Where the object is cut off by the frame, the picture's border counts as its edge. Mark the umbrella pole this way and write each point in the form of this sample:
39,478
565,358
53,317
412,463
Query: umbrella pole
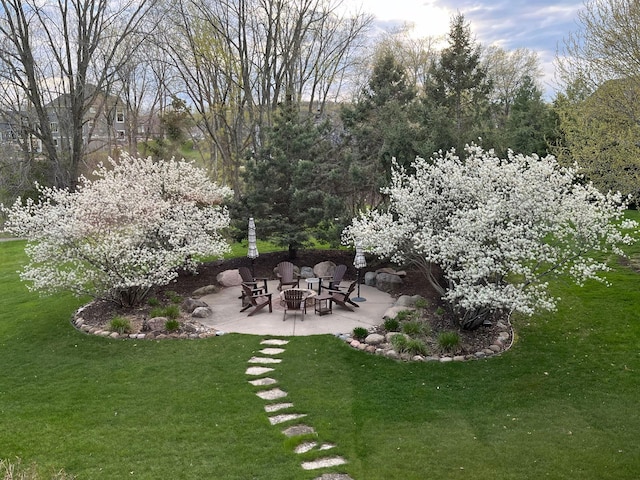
359,298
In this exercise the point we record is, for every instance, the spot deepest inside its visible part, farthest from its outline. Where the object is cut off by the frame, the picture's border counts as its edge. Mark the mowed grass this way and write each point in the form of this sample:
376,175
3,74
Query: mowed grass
561,404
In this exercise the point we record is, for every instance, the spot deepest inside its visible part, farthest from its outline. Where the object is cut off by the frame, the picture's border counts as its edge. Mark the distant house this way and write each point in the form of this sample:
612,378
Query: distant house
104,123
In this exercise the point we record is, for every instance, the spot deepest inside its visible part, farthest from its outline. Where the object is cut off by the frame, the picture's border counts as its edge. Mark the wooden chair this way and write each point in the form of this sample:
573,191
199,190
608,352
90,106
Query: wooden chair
294,301
338,273
342,298
256,300
286,275
249,279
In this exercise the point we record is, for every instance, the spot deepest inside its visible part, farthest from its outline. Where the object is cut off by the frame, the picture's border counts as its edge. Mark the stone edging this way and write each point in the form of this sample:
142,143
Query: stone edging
196,330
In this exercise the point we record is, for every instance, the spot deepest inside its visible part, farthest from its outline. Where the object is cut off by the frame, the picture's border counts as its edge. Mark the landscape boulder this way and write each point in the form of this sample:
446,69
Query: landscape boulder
388,282
229,278
324,269
370,279
190,304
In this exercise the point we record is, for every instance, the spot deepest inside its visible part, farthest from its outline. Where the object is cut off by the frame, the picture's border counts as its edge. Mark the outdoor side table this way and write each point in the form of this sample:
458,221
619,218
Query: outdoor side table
312,281
324,304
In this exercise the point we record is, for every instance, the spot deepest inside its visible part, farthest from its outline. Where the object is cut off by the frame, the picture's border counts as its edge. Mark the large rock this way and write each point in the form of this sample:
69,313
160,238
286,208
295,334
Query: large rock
229,278
392,312
370,279
388,282
306,272
374,339
190,304
201,312
407,301
324,269
206,290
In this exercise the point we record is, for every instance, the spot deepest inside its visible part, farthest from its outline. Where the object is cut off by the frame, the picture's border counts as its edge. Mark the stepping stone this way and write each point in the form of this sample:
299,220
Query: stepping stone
296,430
308,446
272,351
274,407
285,417
258,370
334,476
264,360
323,463
274,341
305,447
263,381
271,394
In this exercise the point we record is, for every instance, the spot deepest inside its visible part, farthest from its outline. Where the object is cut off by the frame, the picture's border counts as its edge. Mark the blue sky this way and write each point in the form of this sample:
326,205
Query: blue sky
539,25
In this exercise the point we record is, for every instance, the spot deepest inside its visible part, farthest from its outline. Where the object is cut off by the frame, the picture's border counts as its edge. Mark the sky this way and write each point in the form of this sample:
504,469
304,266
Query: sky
538,25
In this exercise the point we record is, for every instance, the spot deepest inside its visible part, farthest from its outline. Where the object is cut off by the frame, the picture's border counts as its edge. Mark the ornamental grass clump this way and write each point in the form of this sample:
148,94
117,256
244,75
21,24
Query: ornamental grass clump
172,325
391,325
117,236
495,229
449,341
360,333
120,324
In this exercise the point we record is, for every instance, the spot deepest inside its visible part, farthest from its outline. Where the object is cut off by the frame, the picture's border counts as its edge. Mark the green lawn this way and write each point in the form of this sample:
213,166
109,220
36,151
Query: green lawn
562,404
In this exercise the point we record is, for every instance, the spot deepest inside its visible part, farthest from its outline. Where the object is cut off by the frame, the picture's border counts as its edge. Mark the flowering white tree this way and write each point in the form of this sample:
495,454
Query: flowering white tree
487,232
127,231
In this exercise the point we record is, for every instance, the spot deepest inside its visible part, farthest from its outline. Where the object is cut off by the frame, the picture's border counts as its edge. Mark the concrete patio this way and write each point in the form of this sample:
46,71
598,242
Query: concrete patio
227,317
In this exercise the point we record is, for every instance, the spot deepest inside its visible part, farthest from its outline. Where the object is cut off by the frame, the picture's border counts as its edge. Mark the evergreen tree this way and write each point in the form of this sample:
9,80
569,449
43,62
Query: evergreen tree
457,91
286,193
530,125
379,127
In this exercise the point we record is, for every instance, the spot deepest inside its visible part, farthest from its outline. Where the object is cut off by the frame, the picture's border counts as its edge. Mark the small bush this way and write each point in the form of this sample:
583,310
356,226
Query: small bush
405,315
416,346
172,325
422,303
412,327
360,333
449,340
156,312
399,343
172,312
173,297
120,325
391,325
153,302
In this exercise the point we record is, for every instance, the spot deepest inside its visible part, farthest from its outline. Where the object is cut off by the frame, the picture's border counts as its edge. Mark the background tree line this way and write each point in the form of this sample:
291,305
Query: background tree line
293,104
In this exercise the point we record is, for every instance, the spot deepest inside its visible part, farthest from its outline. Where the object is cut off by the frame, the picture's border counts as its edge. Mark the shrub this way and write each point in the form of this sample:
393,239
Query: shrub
448,340
416,347
360,333
399,343
153,302
422,303
391,324
156,312
172,325
127,230
482,219
405,315
173,297
172,312
412,327
120,325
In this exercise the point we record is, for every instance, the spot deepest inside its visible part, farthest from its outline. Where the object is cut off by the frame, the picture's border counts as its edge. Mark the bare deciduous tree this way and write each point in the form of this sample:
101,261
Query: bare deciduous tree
66,51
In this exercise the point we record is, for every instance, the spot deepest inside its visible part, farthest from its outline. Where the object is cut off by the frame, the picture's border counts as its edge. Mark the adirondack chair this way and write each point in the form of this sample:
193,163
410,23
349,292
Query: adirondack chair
334,281
287,276
294,301
342,298
249,279
255,299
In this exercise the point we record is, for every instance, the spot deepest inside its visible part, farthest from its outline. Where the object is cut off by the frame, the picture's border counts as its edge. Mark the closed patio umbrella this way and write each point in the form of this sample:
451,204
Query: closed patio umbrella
359,262
252,253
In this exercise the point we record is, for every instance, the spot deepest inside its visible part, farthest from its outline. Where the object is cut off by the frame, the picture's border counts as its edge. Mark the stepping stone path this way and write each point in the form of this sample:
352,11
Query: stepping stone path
273,347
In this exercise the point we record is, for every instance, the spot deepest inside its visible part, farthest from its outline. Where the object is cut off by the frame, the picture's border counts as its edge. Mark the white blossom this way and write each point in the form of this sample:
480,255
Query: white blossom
497,228
123,233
